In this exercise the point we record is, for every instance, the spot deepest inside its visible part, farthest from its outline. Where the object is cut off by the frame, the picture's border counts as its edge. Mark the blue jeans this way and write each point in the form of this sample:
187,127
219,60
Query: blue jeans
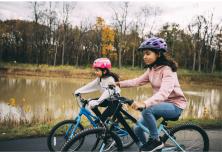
151,114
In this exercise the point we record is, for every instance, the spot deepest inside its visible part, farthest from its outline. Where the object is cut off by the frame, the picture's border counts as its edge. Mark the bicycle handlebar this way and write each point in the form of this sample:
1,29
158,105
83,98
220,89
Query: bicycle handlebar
130,102
80,99
122,100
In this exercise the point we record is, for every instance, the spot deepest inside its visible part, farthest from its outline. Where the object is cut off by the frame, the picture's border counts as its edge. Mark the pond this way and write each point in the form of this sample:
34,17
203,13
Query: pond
50,99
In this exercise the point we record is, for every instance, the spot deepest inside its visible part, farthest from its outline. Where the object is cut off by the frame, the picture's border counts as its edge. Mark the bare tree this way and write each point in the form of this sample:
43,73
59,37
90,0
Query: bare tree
200,29
80,46
144,23
193,45
147,20
212,39
37,15
218,44
121,24
203,32
51,20
67,8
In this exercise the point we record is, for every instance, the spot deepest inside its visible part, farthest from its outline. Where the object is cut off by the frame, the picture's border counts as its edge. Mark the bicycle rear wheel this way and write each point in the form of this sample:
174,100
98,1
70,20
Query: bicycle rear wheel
190,137
96,139
60,133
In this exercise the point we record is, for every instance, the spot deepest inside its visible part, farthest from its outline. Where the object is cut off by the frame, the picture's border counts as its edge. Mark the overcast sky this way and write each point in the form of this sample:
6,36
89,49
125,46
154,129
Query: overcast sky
178,11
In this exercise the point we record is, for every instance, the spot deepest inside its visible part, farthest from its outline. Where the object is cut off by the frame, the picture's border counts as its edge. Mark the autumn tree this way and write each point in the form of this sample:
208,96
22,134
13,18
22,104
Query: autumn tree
107,41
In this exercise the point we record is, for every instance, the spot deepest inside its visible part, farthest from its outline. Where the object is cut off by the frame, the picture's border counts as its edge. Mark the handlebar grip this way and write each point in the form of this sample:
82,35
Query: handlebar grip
77,95
130,102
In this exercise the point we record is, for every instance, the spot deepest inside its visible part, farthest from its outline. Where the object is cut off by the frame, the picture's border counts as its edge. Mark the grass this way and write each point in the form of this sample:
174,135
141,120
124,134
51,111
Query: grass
205,123
24,131
67,71
40,129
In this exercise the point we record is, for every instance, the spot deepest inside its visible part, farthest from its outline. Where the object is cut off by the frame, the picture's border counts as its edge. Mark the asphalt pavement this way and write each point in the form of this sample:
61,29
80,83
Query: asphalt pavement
39,143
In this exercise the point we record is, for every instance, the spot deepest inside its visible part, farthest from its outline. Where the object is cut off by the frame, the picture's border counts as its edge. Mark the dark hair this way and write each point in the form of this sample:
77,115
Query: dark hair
109,73
165,59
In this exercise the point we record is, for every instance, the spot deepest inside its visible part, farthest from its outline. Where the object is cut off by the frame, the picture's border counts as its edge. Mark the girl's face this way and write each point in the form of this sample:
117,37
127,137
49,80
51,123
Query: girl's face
149,57
98,72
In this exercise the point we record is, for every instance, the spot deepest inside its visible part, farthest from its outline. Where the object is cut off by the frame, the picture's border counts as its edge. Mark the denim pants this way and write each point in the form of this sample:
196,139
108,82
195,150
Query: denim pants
151,114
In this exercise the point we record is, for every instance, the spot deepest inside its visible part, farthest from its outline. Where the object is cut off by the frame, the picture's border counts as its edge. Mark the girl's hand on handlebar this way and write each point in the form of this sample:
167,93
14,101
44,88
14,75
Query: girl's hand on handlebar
118,84
138,105
92,104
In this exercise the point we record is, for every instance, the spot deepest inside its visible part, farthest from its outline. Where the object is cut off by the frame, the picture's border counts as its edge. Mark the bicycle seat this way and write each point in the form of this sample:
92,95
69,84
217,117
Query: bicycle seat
171,119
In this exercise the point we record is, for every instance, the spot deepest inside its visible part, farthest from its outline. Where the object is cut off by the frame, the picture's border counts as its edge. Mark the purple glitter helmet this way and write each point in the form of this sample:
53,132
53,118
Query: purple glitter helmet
155,44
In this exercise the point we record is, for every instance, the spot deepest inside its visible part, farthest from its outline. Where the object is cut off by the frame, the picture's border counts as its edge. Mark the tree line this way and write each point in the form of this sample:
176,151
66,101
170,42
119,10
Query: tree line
47,39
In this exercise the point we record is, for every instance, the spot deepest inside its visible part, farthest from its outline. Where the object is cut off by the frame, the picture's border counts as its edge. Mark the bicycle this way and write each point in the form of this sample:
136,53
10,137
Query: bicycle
66,129
174,139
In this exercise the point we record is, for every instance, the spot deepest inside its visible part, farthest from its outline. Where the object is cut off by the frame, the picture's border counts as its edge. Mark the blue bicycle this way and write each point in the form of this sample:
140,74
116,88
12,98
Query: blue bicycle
65,130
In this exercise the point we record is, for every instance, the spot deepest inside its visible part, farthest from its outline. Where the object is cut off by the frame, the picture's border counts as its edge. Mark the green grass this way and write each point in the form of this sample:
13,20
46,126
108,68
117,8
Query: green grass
205,123
23,131
39,129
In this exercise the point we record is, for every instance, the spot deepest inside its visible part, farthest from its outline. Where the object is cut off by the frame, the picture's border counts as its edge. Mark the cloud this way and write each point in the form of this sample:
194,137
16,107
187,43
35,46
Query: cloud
181,12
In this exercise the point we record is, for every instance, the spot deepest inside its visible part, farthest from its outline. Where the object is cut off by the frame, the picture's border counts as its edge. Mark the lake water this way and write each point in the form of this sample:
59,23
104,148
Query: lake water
46,99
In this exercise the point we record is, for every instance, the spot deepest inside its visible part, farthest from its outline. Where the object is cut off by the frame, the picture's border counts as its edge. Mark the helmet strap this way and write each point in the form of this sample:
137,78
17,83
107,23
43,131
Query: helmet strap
103,72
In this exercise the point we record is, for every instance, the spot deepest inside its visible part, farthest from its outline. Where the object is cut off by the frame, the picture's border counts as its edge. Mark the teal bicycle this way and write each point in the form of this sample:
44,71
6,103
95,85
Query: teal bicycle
184,137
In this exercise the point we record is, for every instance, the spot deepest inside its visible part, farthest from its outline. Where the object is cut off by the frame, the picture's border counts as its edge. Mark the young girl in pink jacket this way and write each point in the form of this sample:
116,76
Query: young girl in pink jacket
167,100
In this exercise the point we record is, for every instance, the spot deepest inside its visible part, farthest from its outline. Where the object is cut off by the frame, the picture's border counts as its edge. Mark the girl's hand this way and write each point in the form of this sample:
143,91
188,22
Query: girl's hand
137,105
118,84
92,104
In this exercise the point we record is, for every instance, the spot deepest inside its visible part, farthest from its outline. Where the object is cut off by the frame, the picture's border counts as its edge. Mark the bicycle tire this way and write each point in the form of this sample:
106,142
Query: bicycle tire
100,133
192,131
51,139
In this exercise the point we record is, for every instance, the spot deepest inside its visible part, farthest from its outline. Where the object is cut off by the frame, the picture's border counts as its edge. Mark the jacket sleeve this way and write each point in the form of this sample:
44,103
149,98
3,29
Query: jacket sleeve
90,87
107,92
167,86
142,80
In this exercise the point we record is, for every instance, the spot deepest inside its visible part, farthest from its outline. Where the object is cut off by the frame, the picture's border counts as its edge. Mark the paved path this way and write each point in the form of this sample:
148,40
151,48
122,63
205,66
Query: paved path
39,144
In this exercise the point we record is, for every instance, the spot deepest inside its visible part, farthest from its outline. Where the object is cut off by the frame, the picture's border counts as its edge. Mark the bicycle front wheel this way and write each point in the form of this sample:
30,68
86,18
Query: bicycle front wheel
61,132
189,137
96,139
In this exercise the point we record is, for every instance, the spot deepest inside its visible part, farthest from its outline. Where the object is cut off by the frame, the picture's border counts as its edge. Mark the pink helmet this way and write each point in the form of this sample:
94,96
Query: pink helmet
102,63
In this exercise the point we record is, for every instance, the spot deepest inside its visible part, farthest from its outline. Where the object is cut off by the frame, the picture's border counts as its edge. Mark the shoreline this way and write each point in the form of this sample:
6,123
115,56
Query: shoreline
86,73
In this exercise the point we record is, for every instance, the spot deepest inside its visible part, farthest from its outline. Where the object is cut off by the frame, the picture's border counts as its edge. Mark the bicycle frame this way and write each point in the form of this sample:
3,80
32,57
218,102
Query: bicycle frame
90,117
119,115
161,128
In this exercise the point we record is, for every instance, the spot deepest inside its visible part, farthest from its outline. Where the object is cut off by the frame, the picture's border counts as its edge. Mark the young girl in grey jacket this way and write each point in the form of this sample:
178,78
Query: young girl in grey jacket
104,78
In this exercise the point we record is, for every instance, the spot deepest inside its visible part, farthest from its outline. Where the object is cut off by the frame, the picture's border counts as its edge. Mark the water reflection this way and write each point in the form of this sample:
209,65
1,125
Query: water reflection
44,100
205,103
